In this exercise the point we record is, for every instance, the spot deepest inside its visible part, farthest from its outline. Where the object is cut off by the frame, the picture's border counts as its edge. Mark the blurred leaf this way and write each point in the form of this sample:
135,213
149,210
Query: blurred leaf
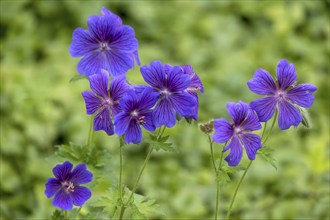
160,143
136,214
110,201
266,153
83,153
226,171
144,206
57,215
78,77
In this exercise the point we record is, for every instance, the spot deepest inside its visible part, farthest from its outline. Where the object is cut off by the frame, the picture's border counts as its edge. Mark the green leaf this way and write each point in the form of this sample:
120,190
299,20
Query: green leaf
266,153
136,214
57,215
82,153
110,201
78,77
225,173
160,143
145,207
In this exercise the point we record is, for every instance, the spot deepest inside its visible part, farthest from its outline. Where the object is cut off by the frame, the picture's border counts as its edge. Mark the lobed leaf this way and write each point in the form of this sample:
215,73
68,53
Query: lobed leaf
160,143
266,153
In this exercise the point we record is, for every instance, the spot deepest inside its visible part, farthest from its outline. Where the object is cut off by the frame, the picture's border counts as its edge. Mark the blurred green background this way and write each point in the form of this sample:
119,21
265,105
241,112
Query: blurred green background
225,42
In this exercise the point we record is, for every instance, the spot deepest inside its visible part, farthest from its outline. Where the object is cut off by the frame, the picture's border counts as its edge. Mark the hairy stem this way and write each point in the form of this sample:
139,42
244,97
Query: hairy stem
236,190
120,171
218,189
271,128
123,208
140,174
212,156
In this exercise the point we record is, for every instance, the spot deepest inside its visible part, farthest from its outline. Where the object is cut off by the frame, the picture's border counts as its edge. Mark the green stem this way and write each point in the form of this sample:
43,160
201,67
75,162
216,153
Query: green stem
122,211
123,207
212,156
90,138
271,128
65,214
263,131
236,190
241,180
218,189
77,212
120,171
140,174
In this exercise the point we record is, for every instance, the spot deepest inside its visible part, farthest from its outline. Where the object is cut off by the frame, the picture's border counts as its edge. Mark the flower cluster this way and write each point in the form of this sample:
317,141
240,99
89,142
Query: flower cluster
109,48
282,95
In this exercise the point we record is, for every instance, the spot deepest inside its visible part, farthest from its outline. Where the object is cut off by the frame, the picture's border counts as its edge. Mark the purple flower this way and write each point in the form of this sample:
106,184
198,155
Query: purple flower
107,44
194,87
171,85
281,94
66,185
104,100
238,133
136,111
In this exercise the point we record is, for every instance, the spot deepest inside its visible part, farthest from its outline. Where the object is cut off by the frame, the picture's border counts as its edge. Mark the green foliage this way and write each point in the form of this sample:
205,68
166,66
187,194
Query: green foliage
110,201
143,207
267,154
139,208
226,172
78,77
82,153
226,43
57,215
160,143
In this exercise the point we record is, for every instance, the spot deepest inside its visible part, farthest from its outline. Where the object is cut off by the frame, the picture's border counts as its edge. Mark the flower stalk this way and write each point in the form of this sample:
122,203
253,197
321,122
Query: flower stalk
247,168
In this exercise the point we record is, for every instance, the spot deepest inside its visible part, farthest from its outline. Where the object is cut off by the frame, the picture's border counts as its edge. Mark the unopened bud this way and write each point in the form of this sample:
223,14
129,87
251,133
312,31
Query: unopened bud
207,127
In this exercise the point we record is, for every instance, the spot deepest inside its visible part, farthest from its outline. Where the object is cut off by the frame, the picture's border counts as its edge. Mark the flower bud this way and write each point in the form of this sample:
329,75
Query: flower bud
207,127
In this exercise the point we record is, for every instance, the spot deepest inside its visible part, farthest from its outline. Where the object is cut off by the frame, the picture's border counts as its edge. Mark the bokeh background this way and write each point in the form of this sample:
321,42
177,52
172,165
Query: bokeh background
225,42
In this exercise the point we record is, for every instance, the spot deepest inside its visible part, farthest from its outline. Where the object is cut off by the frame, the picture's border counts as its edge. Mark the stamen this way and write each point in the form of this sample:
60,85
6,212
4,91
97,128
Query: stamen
104,46
69,187
141,119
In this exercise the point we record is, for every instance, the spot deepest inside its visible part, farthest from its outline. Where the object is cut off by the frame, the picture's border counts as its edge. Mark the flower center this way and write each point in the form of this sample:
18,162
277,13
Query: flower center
165,92
104,46
281,94
238,130
108,101
134,113
69,187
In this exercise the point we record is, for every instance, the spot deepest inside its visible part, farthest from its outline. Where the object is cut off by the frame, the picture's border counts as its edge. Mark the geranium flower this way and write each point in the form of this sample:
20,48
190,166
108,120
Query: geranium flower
194,87
65,187
104,100
282,94
238,134
171,85
136,111
107,44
